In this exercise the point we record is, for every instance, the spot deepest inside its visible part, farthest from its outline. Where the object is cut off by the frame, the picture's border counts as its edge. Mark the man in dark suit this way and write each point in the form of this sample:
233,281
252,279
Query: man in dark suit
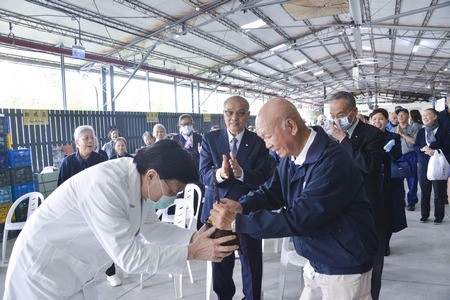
239,160
365,144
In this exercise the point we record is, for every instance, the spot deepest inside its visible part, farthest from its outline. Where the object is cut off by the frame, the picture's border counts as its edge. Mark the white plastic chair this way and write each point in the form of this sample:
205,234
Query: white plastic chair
289,256
183,217
34,200
189,194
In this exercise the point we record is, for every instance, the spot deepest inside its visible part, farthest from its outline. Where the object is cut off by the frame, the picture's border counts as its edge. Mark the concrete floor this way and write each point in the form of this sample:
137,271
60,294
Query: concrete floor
418,268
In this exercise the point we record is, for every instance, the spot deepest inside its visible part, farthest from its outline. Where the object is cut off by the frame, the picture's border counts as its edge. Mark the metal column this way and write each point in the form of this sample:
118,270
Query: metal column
198,96
192,97
105,100
147,78
175,92
63,82
111,86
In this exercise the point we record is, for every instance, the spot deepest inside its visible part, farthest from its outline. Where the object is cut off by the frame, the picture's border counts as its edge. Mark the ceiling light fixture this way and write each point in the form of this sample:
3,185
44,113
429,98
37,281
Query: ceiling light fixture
253,25
318,73
300,62
277,47
416,47
367,48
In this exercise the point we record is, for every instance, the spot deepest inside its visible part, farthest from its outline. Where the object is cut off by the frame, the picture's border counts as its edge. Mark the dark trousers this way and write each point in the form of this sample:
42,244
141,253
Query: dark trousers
411,197
378,266
251,261
440,194
111,270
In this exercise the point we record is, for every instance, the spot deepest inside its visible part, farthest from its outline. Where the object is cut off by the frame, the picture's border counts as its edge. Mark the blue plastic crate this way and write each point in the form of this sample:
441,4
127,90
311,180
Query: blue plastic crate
21,175
4,125
5,195
3,142
20,190
4,177
19,158
4,160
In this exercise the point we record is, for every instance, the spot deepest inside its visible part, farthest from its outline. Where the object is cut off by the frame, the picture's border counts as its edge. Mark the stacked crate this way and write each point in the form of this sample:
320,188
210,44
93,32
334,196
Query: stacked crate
21,177
5,177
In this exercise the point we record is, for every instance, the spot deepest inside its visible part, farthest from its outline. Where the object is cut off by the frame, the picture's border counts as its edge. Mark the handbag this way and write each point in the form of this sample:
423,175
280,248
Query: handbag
401,168
438,166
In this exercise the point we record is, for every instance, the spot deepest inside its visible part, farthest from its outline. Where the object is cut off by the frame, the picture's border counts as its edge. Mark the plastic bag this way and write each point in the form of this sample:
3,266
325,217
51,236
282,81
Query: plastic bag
438,166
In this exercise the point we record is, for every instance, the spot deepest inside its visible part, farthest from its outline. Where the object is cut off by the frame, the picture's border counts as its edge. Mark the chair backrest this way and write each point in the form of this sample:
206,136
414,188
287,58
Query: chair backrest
184,213
189,194
34,200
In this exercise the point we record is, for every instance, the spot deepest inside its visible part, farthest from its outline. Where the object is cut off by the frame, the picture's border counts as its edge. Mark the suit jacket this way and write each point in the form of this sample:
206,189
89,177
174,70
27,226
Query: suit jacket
197,139
252,156
366,149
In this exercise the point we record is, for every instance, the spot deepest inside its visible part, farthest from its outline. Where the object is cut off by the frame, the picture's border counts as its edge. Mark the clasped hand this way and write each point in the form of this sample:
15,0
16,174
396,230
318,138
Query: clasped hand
203,247
224,213
235,167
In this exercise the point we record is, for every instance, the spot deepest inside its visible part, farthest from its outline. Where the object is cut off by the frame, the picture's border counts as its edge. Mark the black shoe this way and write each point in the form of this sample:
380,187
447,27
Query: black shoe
387,252
437,222
423,220
411,207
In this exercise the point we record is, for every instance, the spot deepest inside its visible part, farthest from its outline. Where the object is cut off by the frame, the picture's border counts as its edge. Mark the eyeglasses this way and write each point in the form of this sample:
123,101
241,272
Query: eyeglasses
172,192
230,113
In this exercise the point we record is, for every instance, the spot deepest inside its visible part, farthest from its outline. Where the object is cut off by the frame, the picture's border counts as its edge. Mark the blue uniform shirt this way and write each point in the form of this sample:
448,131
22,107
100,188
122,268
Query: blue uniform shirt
74,164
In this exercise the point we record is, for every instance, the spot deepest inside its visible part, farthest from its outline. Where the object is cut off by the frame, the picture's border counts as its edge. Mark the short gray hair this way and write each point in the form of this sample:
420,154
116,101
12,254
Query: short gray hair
184,116
120,139
159,125
82,129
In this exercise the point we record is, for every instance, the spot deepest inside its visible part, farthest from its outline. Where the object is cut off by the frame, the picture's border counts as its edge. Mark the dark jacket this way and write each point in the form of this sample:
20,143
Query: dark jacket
115,156
444,119
366,149
442,142
323,207
74,164
252,156
197,139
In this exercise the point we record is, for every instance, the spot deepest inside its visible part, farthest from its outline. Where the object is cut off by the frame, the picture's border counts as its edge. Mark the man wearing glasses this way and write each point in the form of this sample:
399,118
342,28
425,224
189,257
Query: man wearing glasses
239,160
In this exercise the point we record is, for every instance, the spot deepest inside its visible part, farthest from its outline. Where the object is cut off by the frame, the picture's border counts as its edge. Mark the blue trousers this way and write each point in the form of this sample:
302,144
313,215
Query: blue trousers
411,197
251,262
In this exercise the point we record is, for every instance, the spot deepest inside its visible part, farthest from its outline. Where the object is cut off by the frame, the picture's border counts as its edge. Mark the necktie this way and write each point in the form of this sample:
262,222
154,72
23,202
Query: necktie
233,147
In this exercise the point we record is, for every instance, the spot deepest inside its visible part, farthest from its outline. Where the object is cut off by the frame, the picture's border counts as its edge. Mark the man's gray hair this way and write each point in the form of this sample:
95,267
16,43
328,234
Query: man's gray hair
184,116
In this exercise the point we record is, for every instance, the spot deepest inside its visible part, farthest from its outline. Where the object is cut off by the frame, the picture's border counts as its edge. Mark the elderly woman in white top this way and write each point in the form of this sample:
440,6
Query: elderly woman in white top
100,215
159,132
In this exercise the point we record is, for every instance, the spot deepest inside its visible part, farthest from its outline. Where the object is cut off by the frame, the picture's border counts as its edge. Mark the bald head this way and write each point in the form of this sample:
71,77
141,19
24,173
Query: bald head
278,110
281,127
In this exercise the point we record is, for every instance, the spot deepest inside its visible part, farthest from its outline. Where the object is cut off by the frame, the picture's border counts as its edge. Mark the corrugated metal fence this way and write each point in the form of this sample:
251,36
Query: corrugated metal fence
61,125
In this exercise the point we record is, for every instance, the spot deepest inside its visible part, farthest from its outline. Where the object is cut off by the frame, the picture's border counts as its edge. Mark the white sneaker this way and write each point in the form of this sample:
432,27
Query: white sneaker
114,280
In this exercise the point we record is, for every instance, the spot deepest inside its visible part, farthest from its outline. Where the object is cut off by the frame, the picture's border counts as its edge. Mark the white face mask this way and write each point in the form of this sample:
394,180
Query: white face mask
187,129
161,203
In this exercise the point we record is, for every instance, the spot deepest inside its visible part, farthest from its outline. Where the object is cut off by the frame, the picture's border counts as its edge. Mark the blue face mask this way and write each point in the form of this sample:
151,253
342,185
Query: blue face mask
345,124
161,203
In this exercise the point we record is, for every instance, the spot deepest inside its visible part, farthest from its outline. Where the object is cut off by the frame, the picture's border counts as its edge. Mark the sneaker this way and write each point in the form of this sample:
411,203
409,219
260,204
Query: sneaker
114,280
411,207
437,222
423,220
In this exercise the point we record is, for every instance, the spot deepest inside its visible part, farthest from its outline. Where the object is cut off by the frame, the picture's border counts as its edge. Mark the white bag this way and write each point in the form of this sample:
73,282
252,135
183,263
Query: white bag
438,166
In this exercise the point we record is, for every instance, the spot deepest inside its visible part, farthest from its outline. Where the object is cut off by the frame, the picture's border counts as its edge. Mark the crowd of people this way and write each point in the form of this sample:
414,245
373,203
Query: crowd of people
331,187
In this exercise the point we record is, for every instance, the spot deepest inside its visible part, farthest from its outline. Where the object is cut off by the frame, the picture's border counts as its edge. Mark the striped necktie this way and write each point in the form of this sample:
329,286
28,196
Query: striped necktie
233,147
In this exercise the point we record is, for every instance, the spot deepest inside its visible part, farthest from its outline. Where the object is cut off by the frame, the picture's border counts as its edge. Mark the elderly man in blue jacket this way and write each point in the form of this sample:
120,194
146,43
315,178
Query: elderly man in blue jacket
323,206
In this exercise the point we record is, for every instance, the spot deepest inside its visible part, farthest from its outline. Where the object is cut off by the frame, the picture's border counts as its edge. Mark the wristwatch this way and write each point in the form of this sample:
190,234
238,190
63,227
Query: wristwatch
233,226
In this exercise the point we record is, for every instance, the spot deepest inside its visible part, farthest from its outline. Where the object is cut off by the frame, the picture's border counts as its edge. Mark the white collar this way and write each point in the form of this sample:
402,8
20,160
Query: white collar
238,137
302,156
